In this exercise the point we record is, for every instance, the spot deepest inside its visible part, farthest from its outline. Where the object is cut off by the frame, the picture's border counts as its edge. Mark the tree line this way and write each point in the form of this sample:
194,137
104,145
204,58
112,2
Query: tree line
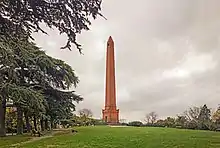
84,118
200,118
37,84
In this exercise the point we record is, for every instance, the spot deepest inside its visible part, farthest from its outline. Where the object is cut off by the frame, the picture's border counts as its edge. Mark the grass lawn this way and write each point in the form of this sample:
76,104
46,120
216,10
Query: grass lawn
6,141
129,137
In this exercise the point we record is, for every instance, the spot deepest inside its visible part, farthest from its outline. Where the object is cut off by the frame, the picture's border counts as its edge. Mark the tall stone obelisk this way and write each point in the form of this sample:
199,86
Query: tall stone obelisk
110,113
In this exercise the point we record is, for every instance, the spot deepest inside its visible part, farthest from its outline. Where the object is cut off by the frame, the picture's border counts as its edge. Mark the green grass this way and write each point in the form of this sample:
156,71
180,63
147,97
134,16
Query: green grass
6,141
129,137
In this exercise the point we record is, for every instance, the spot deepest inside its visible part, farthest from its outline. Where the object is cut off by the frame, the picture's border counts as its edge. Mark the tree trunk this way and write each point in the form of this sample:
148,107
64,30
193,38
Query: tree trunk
35,123
46,124
19,109
55,125
42,124
2,118
28,125
51,124
19,121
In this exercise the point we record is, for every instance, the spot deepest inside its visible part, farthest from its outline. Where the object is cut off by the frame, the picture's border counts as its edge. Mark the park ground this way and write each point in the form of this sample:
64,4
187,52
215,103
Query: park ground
118,137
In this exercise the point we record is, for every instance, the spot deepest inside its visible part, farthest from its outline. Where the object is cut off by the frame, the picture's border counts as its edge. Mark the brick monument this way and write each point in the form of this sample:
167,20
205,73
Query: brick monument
110,113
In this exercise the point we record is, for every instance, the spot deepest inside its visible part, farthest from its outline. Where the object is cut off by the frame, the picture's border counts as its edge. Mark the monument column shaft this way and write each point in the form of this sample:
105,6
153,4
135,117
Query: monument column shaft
110,99
110,113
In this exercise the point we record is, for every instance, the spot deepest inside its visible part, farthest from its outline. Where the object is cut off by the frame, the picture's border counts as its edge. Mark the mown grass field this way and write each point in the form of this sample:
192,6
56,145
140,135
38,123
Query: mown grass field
128,137
10,140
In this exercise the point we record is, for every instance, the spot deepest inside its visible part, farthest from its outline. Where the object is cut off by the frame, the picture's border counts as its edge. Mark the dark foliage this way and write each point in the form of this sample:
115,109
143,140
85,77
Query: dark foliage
135,123
21,18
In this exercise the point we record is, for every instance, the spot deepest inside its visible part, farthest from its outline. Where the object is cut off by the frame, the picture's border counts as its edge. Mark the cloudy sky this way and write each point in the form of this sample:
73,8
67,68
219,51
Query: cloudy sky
167,56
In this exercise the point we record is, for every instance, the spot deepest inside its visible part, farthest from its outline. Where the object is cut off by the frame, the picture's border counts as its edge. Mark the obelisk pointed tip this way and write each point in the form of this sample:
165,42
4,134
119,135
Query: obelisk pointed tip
110,39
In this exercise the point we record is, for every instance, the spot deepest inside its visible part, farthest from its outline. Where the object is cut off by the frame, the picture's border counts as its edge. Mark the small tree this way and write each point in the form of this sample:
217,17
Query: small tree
216,116
181,121
147,118
160,123
85,116
151,117
169,122
122,120
204,118
192,115
85,112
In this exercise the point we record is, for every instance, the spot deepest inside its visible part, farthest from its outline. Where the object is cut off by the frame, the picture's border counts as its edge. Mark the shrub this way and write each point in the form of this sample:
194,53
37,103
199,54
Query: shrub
135,123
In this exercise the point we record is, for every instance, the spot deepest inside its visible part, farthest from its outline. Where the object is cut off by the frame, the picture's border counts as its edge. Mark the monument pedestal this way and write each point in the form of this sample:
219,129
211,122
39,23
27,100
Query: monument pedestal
111,116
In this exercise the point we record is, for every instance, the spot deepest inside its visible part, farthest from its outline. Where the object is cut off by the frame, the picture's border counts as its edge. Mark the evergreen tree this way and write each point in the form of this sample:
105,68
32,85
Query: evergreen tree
20,18
30,72
204,117
10,80
60,104
25,71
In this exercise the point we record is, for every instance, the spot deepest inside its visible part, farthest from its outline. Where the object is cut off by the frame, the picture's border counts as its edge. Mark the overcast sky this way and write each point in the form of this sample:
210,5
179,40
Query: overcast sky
167,56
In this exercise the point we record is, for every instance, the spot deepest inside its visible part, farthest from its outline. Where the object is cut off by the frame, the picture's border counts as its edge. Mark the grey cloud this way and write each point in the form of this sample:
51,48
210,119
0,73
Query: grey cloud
167,56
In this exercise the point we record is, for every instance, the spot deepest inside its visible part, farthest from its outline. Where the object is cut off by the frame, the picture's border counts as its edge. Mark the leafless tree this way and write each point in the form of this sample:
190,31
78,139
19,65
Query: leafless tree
192,113
122,121
147,118
151,117
85,112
